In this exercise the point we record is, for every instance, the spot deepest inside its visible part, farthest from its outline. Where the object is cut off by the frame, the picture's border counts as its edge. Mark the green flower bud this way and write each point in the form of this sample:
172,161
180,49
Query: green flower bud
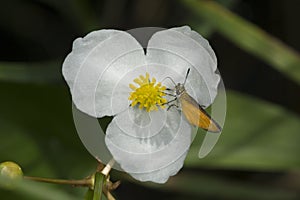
10,173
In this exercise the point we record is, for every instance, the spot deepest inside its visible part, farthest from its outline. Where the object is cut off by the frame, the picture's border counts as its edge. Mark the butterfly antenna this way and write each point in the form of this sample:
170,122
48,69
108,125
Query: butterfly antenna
170,79
187,73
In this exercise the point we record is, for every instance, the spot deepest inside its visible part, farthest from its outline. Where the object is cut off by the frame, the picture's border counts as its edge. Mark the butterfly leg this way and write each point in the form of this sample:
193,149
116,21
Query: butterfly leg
170,94
168,89
170,101
172,106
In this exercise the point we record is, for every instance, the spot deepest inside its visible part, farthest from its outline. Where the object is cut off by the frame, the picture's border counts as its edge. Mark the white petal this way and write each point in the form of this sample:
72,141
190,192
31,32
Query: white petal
147,152
140,124
161,175
181,48
96,64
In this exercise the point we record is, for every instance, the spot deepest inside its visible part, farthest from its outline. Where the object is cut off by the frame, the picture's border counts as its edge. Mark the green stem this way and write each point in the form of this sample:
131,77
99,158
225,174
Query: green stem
82,182
99,181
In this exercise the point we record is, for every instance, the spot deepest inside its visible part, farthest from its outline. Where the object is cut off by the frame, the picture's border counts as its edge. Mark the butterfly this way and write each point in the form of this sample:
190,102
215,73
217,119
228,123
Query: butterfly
192,110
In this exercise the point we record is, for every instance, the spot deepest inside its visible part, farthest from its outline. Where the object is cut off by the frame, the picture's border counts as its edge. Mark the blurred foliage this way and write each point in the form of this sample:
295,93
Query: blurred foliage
255,158
32,190
47,72
249,37
252,141
212,187
266,145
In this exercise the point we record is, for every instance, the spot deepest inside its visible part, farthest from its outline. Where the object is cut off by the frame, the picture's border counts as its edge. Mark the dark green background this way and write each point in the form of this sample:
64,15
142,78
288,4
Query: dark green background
257,156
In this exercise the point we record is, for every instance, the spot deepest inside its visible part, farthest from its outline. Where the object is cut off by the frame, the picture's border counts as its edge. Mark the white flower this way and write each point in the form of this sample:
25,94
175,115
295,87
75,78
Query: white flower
109,74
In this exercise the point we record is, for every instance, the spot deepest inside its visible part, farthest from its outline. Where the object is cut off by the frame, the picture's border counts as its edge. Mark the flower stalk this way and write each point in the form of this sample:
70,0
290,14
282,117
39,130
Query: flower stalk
87,182
98,182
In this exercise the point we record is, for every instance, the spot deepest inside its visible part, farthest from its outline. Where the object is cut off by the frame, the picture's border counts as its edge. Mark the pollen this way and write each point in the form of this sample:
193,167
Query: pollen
147,94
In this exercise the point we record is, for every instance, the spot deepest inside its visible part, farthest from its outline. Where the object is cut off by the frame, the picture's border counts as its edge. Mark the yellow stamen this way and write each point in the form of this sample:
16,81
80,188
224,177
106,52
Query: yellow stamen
148,95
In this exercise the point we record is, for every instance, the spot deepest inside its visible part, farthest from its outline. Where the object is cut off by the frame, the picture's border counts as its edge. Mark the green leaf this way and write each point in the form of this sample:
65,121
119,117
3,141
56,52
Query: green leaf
44,72
257,136
204,27
38,133
249,37
199,185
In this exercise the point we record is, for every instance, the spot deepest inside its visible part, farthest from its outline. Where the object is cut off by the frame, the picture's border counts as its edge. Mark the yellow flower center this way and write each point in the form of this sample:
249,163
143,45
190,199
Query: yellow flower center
148,95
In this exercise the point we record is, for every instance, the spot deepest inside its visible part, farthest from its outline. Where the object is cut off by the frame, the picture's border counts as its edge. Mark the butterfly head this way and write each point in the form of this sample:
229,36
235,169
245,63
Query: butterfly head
179,88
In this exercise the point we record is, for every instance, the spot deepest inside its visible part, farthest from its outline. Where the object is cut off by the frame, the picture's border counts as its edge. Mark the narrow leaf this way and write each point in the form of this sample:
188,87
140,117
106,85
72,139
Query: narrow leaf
44,72
257,136
249,37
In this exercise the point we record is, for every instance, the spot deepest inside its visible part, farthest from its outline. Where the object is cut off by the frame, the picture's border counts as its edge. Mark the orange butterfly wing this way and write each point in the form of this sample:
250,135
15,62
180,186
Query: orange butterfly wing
196,115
